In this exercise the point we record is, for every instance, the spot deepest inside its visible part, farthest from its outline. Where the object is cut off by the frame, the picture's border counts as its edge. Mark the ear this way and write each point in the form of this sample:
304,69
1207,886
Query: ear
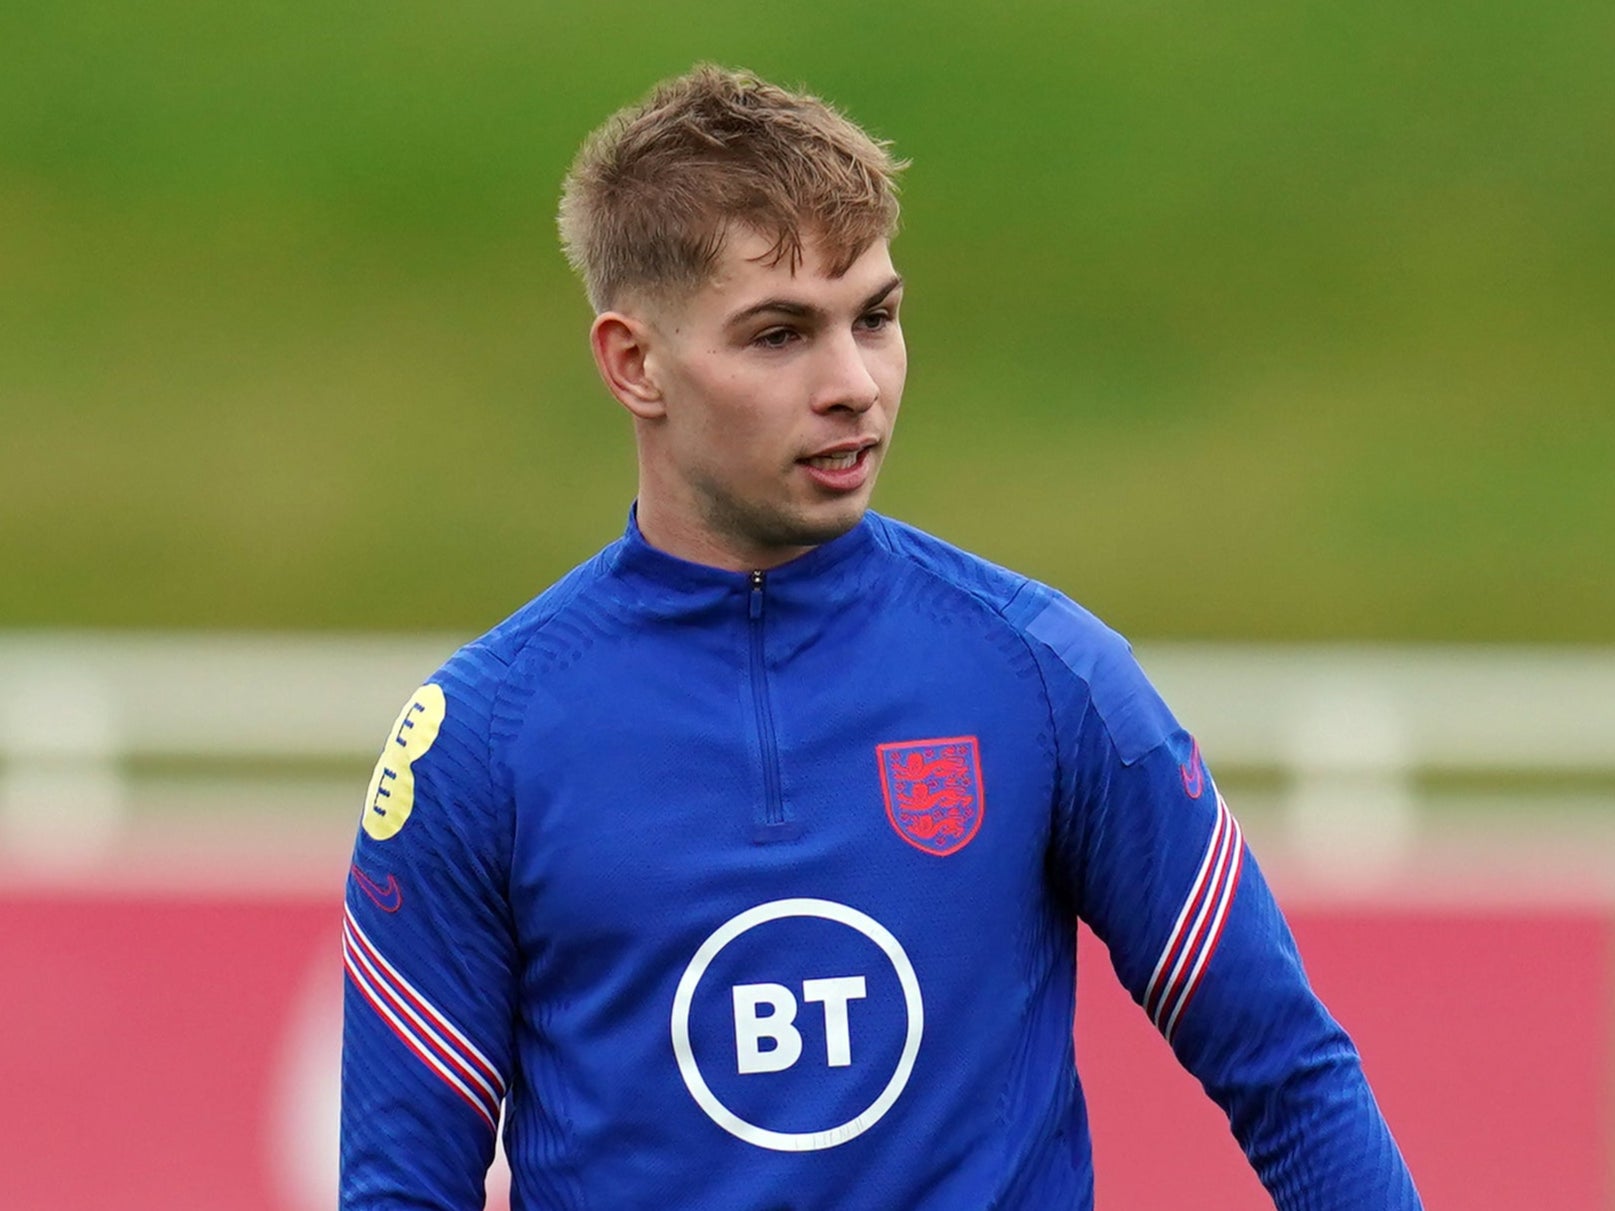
621,345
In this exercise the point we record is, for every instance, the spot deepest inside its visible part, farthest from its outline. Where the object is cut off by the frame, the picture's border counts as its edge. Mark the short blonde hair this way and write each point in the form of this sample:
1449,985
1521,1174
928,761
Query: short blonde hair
652,193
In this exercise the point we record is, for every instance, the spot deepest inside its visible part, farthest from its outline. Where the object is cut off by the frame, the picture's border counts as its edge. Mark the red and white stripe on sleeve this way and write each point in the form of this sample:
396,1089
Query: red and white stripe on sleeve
433,1039
1199,925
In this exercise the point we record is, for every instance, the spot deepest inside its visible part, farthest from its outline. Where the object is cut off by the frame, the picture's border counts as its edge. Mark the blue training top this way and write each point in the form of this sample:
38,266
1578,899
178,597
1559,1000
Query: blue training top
760,892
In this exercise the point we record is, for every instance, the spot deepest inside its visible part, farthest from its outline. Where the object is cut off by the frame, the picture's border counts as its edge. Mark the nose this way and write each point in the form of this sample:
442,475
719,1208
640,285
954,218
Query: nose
846,380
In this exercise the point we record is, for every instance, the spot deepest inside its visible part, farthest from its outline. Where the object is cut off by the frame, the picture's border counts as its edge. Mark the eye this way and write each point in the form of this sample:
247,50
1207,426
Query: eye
874,321
774,338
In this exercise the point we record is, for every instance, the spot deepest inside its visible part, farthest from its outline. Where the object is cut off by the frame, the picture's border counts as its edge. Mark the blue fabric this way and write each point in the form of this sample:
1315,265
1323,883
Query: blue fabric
763,895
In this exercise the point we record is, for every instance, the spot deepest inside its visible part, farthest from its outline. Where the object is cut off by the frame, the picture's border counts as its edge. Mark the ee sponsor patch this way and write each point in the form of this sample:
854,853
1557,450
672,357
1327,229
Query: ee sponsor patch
391,796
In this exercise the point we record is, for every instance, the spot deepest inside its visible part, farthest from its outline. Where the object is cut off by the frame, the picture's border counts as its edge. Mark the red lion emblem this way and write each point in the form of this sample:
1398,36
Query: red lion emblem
933,791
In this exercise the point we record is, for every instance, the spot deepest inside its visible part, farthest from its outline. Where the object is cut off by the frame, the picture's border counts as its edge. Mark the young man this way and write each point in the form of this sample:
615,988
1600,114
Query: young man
742,867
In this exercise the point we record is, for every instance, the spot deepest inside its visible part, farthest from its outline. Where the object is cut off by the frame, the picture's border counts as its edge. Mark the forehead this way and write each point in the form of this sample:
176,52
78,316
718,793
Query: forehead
746,272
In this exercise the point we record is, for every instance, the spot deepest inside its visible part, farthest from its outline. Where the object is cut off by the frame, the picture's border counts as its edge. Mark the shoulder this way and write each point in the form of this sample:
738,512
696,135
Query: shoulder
1077,650
480,673
944,568
507,644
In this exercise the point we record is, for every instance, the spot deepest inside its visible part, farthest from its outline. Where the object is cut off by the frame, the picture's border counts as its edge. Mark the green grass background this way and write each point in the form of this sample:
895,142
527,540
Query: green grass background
1276,320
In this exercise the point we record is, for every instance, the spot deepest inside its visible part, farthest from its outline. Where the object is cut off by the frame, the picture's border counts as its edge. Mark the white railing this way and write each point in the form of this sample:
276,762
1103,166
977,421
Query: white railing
1350,727
1347,727
77,708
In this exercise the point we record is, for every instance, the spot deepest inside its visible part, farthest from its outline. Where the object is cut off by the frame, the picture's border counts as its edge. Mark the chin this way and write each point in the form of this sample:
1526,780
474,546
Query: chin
788,530
800,531
832,523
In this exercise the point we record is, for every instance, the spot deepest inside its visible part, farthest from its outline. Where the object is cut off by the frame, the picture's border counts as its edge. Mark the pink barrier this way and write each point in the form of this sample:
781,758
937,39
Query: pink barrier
163,1053
1487,1035
139,1047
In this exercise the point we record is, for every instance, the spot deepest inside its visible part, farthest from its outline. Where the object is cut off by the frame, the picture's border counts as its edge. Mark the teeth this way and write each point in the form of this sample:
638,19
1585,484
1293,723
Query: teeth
835,462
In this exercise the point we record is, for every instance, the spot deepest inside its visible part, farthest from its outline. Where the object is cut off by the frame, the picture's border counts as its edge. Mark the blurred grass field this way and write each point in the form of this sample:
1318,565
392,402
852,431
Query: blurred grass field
1284,322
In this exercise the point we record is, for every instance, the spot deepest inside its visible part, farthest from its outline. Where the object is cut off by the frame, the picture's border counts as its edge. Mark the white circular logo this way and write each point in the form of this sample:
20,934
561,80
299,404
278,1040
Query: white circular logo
796,1141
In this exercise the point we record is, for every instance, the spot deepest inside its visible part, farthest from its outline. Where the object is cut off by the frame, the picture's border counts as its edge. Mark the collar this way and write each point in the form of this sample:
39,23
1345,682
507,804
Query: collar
829,570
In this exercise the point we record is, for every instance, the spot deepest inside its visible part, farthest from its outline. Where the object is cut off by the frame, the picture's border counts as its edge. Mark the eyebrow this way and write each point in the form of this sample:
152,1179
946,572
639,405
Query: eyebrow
799,310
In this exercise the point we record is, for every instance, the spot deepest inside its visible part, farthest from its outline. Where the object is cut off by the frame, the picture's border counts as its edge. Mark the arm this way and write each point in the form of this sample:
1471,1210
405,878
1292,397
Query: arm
429,956
1155,863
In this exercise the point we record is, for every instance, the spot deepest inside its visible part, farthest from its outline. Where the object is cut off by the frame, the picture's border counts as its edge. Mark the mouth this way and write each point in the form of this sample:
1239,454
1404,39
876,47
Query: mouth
835,462
843,468
841,457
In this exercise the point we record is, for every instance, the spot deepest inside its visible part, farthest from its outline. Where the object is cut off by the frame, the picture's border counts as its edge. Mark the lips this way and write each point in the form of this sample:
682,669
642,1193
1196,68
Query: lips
843,467
839,461
841,455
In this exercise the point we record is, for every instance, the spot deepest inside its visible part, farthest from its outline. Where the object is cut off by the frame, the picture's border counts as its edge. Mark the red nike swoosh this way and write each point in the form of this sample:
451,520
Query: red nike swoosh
1193,773
386,898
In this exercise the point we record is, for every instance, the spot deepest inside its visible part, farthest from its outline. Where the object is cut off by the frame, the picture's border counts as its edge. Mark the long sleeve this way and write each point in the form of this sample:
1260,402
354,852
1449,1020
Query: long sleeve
1155,862
429,955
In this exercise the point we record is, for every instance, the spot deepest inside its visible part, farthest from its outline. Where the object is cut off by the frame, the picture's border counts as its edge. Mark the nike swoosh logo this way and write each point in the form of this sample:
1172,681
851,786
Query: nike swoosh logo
387,898
1193,772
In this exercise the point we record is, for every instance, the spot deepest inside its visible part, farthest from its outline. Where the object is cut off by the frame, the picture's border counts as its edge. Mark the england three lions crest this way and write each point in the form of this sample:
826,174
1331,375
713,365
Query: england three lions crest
933,790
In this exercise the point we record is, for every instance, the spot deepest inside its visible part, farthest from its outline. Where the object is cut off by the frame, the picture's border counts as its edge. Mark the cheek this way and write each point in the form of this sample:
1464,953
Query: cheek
705,399
891,375
730,420
720,425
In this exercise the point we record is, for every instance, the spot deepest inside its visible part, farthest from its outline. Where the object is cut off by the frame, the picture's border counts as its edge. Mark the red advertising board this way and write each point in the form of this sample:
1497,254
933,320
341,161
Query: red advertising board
161,1052
1485,1033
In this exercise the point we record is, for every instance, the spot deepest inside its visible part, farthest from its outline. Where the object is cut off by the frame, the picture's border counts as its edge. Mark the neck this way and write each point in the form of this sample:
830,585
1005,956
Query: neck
662,529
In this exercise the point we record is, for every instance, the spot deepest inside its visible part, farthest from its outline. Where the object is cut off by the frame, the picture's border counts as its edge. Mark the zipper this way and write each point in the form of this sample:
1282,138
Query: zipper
773,813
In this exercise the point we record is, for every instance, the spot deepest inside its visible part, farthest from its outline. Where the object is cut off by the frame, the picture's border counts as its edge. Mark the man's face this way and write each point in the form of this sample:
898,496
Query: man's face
779,394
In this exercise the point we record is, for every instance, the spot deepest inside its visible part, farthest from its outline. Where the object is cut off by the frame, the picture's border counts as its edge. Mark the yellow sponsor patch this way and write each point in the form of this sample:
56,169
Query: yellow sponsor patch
392,787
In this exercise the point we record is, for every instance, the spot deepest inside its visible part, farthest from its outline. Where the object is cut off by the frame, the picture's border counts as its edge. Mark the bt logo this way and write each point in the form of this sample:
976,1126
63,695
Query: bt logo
752,1027
770,1021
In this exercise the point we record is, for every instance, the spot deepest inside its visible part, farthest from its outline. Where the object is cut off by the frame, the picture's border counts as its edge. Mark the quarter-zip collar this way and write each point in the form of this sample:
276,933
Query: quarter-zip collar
828,575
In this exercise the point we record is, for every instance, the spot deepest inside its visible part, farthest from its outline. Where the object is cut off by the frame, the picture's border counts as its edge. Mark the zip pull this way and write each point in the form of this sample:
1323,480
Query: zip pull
757,594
